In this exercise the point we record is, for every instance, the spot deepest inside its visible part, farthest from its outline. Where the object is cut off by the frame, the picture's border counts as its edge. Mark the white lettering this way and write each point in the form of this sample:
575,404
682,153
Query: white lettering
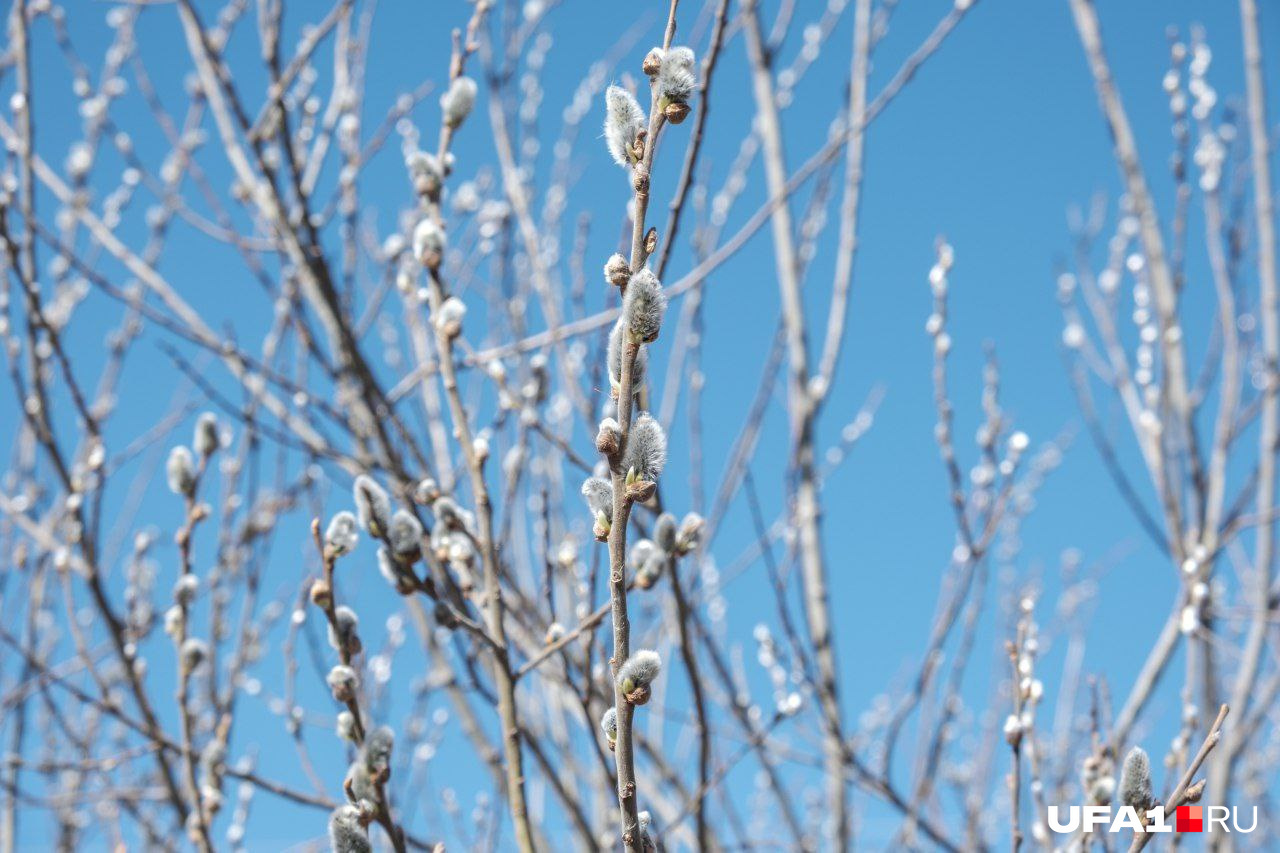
1073,819
1095,816
1156,820
1127,818
1235,819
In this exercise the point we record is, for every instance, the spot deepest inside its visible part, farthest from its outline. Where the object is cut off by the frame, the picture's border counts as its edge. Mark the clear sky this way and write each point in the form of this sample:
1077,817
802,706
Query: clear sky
991,144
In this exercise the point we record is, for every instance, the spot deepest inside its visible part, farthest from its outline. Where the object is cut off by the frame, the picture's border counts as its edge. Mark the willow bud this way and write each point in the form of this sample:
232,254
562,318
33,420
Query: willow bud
617,271
652,62
609,438
342,680
636,676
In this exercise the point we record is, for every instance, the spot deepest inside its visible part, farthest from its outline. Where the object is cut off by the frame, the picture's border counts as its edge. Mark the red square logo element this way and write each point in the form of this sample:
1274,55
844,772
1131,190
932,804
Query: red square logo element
1190,819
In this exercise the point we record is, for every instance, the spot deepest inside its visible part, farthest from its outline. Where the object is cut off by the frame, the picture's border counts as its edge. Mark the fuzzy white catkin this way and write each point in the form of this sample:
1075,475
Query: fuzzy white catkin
342,680
404,535
624,121
448,318
1135,780
424,171
184,591
207,439
690,534
345,634
441,537
615,359
180,471
342,534
420,163
609,723
454,517
448,513
646,448
429,241
647,573
373,506
346,835
640,669
643,306
377,750
193,653
173,621
426,491
676,78
640,553
664,532
79,160
457,102
399,576
599,496
359,781
463,550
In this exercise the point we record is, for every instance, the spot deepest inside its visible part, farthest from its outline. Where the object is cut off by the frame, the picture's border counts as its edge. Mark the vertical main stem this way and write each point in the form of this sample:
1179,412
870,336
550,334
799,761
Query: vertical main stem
494,611
624,751
690,658
1264,215
803,408
1015,770
504,681
624,748
199,833
22,62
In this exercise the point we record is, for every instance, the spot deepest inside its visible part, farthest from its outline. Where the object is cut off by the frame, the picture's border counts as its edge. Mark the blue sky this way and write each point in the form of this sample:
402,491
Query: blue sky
990,145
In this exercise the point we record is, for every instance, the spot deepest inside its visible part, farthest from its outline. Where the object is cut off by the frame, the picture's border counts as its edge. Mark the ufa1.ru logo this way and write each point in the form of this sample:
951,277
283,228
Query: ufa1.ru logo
1125,818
